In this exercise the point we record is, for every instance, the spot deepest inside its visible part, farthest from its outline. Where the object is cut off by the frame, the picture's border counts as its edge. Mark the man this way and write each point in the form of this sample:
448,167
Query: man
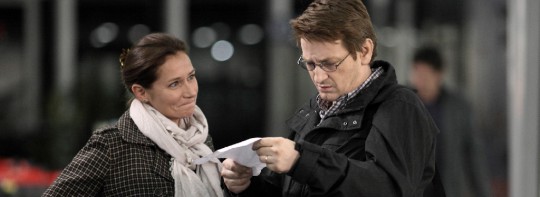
362,135
459,153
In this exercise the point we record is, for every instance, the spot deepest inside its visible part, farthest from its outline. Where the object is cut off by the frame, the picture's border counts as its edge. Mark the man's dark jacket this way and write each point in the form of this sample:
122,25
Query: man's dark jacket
382,143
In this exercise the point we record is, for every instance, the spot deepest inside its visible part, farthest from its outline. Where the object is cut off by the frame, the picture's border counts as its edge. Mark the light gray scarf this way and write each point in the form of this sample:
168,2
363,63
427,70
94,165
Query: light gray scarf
184,146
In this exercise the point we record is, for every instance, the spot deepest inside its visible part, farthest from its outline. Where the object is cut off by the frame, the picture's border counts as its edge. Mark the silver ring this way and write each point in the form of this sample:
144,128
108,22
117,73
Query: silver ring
266,158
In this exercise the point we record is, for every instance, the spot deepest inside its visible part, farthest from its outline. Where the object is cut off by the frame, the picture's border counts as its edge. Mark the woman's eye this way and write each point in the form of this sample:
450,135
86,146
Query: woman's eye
174,84
191,77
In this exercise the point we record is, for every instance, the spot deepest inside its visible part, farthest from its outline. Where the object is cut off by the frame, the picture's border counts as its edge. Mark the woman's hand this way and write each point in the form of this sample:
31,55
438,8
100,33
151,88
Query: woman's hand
236,177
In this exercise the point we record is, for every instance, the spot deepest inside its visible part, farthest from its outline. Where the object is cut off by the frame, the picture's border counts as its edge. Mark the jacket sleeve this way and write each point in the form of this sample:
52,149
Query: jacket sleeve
84,175
400,158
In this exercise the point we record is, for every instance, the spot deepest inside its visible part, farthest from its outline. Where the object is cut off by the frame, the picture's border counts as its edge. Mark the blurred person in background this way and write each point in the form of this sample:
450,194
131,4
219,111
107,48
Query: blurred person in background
149,151
361,135
459,149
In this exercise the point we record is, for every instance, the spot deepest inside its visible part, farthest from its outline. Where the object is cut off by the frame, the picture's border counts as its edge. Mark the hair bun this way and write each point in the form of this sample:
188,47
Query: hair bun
123,57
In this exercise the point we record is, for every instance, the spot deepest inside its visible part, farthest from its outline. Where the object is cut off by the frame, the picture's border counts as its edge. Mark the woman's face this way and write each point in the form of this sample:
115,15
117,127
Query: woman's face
174,92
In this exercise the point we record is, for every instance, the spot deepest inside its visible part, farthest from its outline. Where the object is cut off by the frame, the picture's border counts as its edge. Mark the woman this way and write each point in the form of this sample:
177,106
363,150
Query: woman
151,148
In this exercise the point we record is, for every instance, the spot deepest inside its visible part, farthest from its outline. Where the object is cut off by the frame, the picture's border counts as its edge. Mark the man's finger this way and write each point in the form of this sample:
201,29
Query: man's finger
264,142
257,144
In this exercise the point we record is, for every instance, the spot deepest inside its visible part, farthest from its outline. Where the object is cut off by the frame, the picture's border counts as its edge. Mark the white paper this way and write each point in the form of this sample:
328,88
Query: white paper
241,153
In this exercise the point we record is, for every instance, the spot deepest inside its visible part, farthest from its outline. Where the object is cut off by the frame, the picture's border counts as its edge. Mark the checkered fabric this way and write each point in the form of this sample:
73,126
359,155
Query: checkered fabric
117,161
330,108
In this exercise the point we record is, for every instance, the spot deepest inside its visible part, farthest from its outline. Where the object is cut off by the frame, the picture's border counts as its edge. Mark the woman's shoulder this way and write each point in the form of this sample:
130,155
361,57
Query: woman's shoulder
106,130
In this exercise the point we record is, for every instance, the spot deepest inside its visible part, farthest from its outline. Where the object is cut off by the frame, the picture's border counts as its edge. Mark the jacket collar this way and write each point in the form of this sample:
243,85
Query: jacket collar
375,93
130,132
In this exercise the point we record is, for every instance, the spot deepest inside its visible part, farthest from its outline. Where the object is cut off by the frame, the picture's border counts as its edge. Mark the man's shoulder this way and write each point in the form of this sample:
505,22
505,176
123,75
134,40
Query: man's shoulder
402,100
399,93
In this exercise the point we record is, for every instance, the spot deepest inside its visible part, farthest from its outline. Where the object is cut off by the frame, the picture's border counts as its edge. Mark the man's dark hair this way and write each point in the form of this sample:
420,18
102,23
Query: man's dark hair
331,20
429,55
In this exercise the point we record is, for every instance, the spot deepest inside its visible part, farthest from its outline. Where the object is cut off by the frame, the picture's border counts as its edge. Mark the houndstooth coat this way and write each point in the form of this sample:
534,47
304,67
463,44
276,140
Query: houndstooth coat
117,161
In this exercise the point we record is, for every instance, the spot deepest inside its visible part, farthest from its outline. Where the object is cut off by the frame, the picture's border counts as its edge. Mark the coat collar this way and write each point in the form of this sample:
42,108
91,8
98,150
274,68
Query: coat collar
130,132
375,93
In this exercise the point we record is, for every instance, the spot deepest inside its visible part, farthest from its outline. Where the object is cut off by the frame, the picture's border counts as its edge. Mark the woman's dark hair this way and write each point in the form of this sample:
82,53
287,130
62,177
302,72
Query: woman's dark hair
140,63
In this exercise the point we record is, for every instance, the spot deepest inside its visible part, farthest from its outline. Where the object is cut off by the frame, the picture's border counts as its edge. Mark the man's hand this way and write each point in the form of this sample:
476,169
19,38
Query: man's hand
278,153
236,177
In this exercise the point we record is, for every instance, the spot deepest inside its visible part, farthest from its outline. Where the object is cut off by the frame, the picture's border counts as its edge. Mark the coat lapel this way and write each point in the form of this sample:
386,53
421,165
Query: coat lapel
131,134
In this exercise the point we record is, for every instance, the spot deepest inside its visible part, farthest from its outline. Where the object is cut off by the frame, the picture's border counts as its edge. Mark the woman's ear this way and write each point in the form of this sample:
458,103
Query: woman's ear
366,52
139,92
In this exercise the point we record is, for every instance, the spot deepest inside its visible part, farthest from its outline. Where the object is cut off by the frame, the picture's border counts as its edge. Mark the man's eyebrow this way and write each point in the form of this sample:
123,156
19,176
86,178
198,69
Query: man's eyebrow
322,60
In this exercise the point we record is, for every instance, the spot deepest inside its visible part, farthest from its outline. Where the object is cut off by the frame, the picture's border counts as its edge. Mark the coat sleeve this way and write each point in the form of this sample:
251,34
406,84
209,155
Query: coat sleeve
84,176
400,158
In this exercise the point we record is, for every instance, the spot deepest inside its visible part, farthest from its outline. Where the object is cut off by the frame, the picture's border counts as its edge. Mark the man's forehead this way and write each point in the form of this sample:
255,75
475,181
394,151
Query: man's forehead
321,50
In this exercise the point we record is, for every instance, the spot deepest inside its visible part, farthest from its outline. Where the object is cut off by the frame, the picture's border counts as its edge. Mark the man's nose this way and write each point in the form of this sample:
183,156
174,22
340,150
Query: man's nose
319,74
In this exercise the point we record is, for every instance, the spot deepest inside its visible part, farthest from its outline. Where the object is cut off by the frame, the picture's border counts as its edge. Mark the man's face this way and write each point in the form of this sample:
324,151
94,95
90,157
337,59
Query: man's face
426,80
347,77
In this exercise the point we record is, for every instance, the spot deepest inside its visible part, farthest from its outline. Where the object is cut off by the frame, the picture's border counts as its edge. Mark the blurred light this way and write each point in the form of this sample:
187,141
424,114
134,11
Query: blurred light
223,30
222,50
137,32
204,37
250,34
103,34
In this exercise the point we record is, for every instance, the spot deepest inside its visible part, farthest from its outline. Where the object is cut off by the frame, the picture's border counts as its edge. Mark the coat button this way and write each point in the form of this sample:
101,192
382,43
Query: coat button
354,122
301,111
159,192
344,123
162,192
307,115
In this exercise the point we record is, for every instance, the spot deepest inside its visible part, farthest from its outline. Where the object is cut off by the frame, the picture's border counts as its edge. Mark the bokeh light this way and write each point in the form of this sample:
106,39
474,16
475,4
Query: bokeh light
204,37
250,34
222,50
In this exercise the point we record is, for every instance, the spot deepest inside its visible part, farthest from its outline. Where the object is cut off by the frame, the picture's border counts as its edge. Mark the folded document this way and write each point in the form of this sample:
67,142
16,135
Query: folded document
241,153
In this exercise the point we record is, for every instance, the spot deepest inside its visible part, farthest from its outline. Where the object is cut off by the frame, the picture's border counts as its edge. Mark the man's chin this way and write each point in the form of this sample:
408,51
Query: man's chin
327,97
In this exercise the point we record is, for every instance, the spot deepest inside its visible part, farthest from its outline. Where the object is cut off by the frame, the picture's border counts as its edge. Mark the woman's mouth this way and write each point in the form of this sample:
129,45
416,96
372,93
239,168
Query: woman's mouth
185,104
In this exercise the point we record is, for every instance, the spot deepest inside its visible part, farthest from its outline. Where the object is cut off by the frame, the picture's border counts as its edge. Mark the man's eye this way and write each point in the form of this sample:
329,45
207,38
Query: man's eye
327,64
173,84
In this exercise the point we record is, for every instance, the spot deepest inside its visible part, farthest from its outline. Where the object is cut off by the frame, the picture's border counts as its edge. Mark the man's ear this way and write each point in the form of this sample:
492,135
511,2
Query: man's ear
366,51
139,92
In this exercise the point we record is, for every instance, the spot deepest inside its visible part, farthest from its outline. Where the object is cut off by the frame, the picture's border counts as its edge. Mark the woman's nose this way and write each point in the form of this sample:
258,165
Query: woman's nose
190,90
